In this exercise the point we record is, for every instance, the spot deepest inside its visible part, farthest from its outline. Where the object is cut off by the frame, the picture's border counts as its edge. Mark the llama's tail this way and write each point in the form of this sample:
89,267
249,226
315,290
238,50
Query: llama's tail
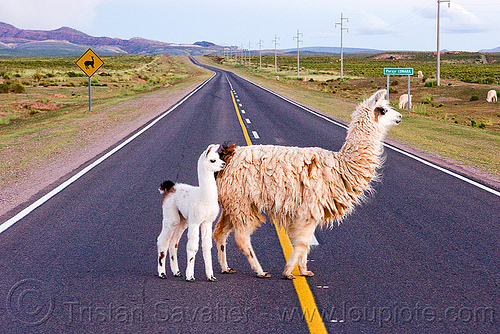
166,186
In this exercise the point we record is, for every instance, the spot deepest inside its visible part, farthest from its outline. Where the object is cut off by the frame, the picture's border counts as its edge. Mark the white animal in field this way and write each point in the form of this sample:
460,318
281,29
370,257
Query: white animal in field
491,96
403,100
420,74
194,208
299,188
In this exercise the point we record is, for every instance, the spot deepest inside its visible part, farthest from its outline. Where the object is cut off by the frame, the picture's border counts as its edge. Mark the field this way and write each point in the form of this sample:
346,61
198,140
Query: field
453,120
44,116
42,86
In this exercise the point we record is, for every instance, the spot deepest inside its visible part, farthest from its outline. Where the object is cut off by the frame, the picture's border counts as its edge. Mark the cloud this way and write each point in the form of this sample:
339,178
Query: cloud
372,25
457,20
48,14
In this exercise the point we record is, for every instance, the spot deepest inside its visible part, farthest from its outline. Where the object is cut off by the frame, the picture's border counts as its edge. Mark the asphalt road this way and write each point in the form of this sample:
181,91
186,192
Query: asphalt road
421,255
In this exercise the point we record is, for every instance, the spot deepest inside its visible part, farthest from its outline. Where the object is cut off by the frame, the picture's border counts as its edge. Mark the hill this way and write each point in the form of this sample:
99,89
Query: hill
497,49
66,41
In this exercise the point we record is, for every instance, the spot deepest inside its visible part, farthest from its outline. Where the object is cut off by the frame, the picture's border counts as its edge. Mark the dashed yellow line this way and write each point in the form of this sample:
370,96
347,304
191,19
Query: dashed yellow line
309,309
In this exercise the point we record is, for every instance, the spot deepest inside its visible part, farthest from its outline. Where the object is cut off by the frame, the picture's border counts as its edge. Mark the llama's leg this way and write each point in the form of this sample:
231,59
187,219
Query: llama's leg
242,238
206,243
192,249
173,247
300,236
221,232
162,244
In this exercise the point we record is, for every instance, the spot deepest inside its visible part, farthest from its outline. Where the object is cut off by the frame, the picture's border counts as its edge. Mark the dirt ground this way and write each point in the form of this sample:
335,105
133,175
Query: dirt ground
39,176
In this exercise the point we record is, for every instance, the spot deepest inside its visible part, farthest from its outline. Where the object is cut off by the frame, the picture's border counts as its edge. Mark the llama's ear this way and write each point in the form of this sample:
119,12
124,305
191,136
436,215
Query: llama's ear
211,147
380,95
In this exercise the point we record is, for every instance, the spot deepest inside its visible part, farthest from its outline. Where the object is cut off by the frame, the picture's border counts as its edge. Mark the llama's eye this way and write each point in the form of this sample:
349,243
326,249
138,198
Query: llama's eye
381,111
212,161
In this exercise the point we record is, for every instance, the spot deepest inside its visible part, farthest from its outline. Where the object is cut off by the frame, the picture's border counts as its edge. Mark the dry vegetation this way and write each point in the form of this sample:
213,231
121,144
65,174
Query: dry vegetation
453,120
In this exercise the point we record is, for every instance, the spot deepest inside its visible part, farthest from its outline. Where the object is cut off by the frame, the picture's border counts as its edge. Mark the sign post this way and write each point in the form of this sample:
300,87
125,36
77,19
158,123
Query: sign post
399,71
89,63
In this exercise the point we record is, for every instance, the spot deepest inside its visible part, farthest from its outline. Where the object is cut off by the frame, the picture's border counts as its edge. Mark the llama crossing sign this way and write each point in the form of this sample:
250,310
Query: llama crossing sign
89,62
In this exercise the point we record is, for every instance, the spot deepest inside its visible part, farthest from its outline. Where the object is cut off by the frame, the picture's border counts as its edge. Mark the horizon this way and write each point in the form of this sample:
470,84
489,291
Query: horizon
467,25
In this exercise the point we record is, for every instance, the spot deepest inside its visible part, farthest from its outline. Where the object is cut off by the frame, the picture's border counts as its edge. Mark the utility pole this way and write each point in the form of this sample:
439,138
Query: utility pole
243,57
249,47
276,39
260,54
438,64
342,18
298,42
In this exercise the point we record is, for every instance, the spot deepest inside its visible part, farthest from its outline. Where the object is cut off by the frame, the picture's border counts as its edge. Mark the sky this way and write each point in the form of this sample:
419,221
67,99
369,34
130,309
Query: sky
466,25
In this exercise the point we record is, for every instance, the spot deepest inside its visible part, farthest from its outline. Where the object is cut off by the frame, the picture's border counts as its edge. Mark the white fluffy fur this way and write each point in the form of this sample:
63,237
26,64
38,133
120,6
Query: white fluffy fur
403,101
491,96
195,208
299,188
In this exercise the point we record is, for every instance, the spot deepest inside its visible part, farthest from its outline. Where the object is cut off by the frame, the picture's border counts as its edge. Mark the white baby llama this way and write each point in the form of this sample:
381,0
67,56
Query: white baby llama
186,206
299,188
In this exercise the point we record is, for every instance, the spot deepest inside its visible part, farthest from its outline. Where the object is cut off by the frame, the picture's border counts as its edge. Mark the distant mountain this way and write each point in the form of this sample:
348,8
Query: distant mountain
326,50
497,49
70,42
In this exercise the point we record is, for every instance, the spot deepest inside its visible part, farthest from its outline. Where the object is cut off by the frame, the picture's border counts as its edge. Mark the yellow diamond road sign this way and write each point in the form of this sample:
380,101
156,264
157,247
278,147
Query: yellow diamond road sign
89,62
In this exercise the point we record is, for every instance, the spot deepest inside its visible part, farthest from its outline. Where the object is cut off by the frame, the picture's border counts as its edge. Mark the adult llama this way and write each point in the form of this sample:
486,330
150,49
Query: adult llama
299,188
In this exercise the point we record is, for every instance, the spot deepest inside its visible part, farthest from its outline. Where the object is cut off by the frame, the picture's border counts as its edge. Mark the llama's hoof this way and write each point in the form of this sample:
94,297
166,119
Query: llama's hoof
212,279
289,276
307,273
191,280
163,276
229,271
265,275
178,274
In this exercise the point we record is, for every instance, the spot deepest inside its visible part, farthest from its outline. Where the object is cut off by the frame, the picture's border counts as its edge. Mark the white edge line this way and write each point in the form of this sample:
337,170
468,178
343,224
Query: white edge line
430,164
4,226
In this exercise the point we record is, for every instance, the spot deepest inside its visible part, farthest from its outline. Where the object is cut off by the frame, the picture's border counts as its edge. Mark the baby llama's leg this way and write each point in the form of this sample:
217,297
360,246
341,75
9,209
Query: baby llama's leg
192,248
162,244
206,242
221,232
174,246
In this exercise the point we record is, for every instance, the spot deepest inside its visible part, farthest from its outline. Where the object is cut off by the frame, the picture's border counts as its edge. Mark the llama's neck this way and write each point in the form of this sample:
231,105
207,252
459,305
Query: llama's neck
361,150
206,182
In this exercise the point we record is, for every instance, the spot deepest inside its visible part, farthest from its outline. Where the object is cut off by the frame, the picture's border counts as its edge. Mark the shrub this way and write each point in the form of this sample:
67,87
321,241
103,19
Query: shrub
11,87
474,98
37,76
430,83
427,99
394,83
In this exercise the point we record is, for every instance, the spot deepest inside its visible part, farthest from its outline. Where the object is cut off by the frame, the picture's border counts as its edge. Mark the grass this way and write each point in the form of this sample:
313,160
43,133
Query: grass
443,119
40,124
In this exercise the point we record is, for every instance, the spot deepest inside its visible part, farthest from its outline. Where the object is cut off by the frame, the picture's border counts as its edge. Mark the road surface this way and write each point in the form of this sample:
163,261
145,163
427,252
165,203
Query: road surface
421,255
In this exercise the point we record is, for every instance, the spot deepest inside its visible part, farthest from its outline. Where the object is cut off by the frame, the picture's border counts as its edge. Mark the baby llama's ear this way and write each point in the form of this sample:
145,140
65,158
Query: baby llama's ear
380,95
211,147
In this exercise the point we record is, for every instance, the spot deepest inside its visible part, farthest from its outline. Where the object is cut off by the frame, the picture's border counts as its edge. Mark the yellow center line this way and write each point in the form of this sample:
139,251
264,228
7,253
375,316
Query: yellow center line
309,309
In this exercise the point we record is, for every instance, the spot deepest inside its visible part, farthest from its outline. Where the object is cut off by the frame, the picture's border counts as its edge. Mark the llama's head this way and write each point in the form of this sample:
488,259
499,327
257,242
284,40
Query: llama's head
209,160
383,114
